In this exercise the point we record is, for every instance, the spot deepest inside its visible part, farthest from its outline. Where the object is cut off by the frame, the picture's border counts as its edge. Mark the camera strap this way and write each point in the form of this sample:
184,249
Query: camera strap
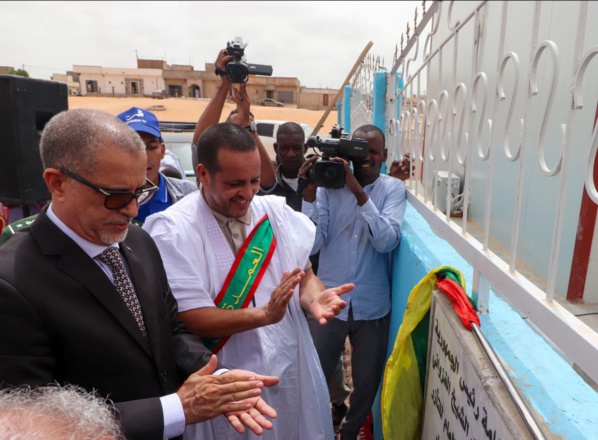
245,275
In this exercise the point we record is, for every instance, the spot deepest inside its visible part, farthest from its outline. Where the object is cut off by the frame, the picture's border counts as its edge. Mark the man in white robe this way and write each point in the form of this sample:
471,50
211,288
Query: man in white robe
199,238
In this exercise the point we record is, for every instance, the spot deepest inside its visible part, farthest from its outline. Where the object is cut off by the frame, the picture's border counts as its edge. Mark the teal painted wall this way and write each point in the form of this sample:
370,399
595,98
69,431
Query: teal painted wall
553,389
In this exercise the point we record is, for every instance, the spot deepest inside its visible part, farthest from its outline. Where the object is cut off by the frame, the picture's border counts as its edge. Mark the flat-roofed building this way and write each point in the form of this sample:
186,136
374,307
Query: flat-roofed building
71,80
179,80
119,81
316,98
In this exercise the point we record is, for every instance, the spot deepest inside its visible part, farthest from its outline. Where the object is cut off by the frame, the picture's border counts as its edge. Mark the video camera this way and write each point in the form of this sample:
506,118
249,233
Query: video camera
237,69
329,174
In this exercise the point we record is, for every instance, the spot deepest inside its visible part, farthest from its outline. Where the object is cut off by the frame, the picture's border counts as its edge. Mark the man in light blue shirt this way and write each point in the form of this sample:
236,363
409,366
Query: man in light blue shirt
358,227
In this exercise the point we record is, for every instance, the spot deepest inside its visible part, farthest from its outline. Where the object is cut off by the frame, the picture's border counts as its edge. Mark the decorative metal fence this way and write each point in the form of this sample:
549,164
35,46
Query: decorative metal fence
493,102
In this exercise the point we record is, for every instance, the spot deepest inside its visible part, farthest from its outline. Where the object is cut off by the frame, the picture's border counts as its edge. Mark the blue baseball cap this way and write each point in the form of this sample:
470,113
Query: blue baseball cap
141,120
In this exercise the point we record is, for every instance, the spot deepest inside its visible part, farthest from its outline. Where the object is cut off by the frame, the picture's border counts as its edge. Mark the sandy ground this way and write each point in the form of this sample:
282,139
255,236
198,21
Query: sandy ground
189,109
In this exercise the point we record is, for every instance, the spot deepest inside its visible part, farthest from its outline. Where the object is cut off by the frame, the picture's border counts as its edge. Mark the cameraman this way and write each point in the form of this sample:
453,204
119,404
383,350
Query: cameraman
213,111
358,227
291,174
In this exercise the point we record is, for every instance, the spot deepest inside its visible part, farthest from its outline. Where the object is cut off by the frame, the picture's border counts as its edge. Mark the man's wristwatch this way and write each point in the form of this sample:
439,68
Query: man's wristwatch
251,128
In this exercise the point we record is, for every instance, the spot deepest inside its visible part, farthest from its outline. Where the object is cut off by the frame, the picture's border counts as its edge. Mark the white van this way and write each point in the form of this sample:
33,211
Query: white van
267,129
178,136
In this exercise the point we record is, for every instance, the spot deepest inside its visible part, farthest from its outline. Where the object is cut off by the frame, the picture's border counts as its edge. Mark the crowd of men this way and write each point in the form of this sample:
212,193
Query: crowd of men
202,310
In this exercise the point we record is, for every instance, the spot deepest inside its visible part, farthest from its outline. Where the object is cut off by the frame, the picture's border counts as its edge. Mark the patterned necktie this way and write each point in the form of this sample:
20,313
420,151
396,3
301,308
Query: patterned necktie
111,257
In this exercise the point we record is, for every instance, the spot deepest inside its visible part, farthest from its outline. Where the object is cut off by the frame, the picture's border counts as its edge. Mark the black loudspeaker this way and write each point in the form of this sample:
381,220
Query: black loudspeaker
26,105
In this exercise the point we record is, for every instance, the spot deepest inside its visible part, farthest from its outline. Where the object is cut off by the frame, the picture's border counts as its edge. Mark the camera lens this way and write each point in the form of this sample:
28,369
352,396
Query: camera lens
331,173
237,72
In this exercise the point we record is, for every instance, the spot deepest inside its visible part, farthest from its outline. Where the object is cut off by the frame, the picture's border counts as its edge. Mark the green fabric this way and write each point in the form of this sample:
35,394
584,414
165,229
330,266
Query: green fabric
419,340
25,223
19,225
245,274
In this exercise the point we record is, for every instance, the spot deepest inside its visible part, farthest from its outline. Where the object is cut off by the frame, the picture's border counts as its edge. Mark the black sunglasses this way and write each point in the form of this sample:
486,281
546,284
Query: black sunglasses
116,199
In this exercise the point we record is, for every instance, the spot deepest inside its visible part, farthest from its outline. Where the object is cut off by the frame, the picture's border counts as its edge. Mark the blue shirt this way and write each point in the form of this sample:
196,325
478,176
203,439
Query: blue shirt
159,202
355,243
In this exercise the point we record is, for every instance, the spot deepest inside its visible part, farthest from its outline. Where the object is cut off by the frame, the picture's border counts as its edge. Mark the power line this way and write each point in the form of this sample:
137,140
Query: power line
49,69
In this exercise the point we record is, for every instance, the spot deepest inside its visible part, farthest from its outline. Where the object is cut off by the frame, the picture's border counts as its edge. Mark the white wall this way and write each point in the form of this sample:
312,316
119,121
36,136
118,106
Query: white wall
558,23
107,78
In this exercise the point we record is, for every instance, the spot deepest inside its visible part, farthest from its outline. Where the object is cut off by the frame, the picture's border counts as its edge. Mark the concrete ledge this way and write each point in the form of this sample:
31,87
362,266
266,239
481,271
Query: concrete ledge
464,394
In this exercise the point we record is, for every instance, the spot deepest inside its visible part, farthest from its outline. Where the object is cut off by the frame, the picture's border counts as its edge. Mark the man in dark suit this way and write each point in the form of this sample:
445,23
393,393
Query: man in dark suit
70,316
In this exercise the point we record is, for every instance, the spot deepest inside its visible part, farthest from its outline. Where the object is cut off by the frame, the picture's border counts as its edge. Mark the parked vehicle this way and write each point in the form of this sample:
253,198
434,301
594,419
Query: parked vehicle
159,94
270,102
267,129
178,137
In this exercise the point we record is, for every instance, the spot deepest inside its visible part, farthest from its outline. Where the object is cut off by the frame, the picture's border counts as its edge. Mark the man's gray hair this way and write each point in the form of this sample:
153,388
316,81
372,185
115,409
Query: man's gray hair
55,412
72,139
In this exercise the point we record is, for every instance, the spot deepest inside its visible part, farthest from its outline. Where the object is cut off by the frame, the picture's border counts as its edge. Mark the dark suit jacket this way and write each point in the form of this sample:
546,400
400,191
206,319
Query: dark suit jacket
62,320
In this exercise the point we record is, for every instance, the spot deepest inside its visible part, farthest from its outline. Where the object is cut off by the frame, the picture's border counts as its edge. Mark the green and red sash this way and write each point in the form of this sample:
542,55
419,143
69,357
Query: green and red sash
245,275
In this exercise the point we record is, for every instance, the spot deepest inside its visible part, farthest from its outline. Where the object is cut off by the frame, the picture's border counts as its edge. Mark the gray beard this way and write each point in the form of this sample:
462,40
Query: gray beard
112,239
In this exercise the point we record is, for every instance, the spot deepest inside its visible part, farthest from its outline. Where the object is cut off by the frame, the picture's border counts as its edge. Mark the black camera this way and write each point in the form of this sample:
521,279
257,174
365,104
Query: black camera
237,69
329,174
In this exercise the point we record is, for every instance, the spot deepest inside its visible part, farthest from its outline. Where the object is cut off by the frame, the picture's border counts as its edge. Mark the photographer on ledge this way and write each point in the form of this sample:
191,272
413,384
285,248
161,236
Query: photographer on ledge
358,227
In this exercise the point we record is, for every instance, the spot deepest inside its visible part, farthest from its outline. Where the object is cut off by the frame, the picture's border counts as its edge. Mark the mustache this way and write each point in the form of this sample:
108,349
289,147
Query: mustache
123,221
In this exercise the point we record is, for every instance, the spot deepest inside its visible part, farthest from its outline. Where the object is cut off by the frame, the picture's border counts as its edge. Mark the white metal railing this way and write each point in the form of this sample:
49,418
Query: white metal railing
362,89
500,104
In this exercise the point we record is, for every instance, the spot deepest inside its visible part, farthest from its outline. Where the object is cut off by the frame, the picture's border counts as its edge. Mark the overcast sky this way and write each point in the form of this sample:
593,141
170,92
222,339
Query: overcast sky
317,42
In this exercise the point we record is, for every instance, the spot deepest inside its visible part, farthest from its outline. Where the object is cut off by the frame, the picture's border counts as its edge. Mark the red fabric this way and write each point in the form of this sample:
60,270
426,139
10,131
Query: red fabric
367,429
4,215
461,304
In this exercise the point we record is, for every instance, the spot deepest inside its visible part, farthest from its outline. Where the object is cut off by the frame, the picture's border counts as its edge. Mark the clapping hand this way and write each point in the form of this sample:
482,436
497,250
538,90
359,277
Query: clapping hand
276,308
254,417
236,393
329,303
